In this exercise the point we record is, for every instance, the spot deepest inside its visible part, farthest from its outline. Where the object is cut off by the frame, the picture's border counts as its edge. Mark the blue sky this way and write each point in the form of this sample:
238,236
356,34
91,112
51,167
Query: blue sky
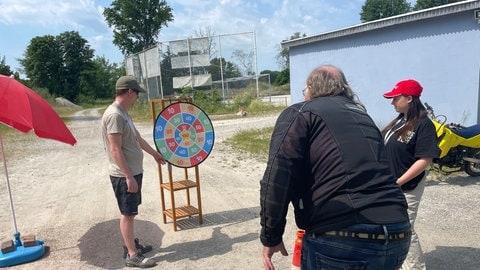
272,21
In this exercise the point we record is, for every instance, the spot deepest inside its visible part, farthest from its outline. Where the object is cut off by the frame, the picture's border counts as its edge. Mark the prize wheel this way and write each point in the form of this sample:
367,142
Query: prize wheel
183,134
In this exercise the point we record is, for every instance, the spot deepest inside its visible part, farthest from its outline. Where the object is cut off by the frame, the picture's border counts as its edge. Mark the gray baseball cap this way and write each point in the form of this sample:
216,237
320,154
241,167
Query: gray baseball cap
129,82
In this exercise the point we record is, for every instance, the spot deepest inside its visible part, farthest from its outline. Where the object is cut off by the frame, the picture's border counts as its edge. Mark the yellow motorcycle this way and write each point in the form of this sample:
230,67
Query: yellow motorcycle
459,146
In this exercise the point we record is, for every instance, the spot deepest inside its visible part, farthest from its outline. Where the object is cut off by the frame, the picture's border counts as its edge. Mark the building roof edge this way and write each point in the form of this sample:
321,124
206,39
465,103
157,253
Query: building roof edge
386,22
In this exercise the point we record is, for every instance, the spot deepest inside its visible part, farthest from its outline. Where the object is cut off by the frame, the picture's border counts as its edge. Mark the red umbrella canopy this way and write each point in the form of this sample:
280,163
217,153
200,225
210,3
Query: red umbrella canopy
24,110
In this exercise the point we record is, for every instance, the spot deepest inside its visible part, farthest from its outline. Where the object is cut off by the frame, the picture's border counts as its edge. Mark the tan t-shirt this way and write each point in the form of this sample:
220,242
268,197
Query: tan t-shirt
116,120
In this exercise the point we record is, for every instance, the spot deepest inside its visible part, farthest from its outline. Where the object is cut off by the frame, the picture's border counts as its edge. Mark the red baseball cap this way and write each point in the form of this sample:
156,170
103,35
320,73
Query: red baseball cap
406,87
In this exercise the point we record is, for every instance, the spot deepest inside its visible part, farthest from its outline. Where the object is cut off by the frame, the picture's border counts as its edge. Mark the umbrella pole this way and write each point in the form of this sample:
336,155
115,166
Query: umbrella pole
8,187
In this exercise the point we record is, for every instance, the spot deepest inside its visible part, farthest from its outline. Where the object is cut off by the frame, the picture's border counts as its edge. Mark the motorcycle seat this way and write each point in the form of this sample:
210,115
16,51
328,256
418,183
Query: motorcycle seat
468,132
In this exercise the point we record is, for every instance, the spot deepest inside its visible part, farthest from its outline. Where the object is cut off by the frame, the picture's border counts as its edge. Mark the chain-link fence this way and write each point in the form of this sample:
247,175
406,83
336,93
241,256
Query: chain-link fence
226,64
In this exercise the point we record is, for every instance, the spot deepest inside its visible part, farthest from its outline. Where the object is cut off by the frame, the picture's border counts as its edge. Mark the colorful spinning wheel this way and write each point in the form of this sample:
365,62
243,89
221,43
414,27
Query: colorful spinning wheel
183,134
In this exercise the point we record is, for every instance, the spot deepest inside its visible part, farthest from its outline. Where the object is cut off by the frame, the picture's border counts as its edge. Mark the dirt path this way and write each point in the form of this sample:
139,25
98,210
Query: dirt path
63,196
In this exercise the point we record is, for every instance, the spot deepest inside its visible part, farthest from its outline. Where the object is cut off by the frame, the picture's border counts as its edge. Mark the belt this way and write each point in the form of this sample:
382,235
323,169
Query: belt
370,236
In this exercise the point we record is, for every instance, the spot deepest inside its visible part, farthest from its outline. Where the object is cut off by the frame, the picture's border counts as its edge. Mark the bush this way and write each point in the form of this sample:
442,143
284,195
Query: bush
210,102
85,99
243,100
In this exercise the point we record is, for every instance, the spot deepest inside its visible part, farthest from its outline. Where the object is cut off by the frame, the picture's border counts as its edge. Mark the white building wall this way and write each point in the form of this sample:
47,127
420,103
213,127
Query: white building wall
442,53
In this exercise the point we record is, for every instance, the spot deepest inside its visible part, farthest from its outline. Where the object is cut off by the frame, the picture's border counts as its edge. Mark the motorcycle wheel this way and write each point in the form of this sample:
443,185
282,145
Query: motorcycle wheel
472,168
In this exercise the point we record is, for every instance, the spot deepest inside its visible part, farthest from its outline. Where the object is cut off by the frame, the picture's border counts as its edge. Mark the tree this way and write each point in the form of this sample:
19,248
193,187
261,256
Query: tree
207,32
379,9
62,64
245,61
282,57
283,77
273,74
77,60
106,75
137,24
4,68
167,72
42,63
230,70
424,4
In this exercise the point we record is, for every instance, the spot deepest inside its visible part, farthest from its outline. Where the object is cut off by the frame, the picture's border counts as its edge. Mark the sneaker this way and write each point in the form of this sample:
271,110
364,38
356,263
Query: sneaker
140,248
139,261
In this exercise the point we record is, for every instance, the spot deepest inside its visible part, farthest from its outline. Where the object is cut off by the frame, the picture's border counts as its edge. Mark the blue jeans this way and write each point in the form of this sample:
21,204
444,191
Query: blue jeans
335,252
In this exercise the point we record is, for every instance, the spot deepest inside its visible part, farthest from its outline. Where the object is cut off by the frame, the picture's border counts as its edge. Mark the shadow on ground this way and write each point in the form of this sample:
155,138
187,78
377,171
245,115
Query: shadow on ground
219,243
447,258
101,245
225,217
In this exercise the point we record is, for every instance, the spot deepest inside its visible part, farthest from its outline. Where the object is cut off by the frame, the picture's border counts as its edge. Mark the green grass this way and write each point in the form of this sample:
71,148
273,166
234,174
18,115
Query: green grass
255,142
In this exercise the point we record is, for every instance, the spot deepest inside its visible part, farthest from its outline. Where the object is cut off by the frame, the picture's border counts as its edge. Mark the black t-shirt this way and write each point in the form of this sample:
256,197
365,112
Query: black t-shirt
421,143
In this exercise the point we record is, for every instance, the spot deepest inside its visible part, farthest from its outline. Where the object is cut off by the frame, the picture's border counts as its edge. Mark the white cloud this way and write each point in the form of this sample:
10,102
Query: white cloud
78,15
272,21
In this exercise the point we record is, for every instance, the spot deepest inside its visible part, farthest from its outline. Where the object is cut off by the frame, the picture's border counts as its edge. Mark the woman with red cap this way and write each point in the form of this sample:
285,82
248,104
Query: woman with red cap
411,145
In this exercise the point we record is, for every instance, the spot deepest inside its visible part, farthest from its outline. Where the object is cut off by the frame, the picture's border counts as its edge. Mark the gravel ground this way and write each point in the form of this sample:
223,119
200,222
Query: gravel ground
63,196
447,222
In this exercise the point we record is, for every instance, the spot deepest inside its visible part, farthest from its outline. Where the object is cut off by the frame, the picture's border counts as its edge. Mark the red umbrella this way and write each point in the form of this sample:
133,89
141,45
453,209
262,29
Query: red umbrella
24,110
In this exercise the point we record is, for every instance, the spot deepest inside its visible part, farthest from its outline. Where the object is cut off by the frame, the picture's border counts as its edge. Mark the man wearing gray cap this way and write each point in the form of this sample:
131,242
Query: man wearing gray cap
124,145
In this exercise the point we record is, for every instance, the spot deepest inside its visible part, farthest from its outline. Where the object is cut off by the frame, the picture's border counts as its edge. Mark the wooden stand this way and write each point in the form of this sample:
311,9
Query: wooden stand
187,210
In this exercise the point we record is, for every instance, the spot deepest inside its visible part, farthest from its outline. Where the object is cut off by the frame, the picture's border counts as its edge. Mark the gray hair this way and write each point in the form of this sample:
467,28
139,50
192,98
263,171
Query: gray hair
328,80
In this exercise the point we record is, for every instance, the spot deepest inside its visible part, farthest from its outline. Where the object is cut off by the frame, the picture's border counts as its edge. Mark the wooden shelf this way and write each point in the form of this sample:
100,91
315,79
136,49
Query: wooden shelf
179,185
182,212
186,210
